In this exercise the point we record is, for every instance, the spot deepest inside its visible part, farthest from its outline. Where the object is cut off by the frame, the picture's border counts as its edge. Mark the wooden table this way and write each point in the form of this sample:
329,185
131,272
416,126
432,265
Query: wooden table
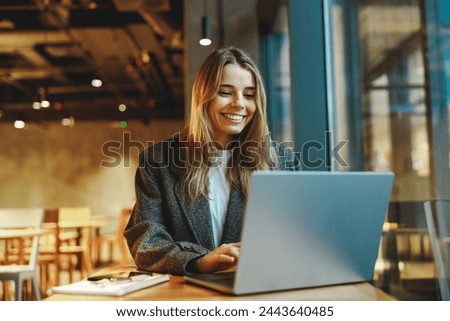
92,223
178,289
6,234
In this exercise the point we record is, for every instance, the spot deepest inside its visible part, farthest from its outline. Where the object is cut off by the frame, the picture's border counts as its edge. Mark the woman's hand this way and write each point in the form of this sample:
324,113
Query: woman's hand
221,258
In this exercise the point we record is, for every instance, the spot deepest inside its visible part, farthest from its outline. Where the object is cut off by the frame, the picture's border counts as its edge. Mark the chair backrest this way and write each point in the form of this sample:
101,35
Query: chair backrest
75,213
438,219
52,239
22,218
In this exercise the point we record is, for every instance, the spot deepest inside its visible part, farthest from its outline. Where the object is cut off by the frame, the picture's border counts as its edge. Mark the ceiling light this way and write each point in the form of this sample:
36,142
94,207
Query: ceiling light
145,56
206,32
36,105
96,83
205,39
19,124
43,94
45,103
92,5
68,121
122,107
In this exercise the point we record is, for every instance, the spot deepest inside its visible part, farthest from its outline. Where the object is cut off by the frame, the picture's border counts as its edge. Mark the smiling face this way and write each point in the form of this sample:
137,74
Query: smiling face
234,106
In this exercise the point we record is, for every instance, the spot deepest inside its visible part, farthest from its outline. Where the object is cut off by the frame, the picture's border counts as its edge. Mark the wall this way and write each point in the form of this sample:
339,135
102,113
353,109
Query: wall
55,166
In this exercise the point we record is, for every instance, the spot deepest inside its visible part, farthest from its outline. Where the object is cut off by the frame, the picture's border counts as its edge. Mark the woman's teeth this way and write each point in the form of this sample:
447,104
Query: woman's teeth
233,117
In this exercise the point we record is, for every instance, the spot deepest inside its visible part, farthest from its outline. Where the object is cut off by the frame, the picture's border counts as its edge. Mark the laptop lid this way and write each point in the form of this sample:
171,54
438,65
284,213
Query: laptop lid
308,229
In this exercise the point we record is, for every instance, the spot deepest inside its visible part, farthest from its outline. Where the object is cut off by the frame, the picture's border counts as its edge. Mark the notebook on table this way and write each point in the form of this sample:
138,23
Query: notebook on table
307,229
112,281
116,284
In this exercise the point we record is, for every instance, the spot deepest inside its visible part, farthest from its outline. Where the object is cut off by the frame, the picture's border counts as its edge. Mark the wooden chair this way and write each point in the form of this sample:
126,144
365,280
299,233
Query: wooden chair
26,218
68,246
116,239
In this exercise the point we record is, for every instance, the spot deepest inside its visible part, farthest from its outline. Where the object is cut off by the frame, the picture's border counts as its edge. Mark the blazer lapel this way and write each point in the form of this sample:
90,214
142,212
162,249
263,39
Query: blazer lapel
235,214
198,215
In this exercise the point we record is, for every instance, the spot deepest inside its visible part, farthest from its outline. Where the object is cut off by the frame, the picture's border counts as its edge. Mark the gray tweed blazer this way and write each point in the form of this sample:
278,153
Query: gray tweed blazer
165,232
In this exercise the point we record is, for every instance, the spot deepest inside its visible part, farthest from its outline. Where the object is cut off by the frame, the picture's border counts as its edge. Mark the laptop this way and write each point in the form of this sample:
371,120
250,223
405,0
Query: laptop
307,229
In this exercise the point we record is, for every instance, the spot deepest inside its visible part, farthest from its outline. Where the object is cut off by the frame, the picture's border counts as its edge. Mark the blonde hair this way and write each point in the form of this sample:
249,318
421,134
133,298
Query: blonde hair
251,149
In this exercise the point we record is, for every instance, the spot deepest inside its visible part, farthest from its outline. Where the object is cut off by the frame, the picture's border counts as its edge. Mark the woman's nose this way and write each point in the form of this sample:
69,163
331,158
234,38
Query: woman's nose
239,101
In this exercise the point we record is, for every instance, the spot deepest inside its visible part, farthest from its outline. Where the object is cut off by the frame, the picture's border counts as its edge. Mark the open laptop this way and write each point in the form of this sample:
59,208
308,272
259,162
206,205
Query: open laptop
307,229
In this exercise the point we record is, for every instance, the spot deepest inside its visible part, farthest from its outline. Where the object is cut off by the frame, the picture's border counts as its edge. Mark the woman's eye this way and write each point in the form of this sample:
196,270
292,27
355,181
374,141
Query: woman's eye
249,95
224,93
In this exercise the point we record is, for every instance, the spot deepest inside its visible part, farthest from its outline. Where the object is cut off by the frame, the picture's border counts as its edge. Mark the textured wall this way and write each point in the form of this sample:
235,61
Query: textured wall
56,166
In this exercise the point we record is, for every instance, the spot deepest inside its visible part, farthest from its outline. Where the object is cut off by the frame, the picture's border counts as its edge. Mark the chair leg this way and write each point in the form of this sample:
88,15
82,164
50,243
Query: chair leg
71,269
42,276
111,253
26,290
97,255
87,264
57,278
36,287
18,282
5,290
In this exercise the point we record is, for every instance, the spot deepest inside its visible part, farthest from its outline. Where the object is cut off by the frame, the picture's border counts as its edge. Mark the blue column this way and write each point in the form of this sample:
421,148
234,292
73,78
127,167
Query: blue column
308,83
437,18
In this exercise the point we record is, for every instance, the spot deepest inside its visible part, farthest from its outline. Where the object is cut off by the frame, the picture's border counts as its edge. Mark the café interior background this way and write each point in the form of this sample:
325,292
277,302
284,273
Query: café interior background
382,67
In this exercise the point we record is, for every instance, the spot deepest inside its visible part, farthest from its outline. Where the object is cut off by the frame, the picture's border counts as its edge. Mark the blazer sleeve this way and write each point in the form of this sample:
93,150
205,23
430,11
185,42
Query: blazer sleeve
147,235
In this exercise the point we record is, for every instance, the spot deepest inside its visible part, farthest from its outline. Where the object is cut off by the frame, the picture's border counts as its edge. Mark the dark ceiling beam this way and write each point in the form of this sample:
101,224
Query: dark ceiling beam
97,103
57,90
6,77
77,93
29,17
158,112
101,18
48,69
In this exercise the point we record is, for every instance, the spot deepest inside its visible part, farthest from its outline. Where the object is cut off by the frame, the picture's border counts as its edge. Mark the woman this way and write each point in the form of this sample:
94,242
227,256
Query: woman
191,189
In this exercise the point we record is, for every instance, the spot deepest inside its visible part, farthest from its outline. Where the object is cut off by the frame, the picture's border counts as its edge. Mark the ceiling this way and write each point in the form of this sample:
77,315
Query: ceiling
54,48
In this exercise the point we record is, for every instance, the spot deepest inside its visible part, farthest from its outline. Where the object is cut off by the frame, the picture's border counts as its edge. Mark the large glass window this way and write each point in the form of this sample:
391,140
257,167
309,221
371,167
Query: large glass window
386,40
390,64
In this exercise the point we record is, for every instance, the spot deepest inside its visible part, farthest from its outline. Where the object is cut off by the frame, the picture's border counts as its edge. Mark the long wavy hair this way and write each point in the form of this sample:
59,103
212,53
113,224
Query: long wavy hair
251,149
